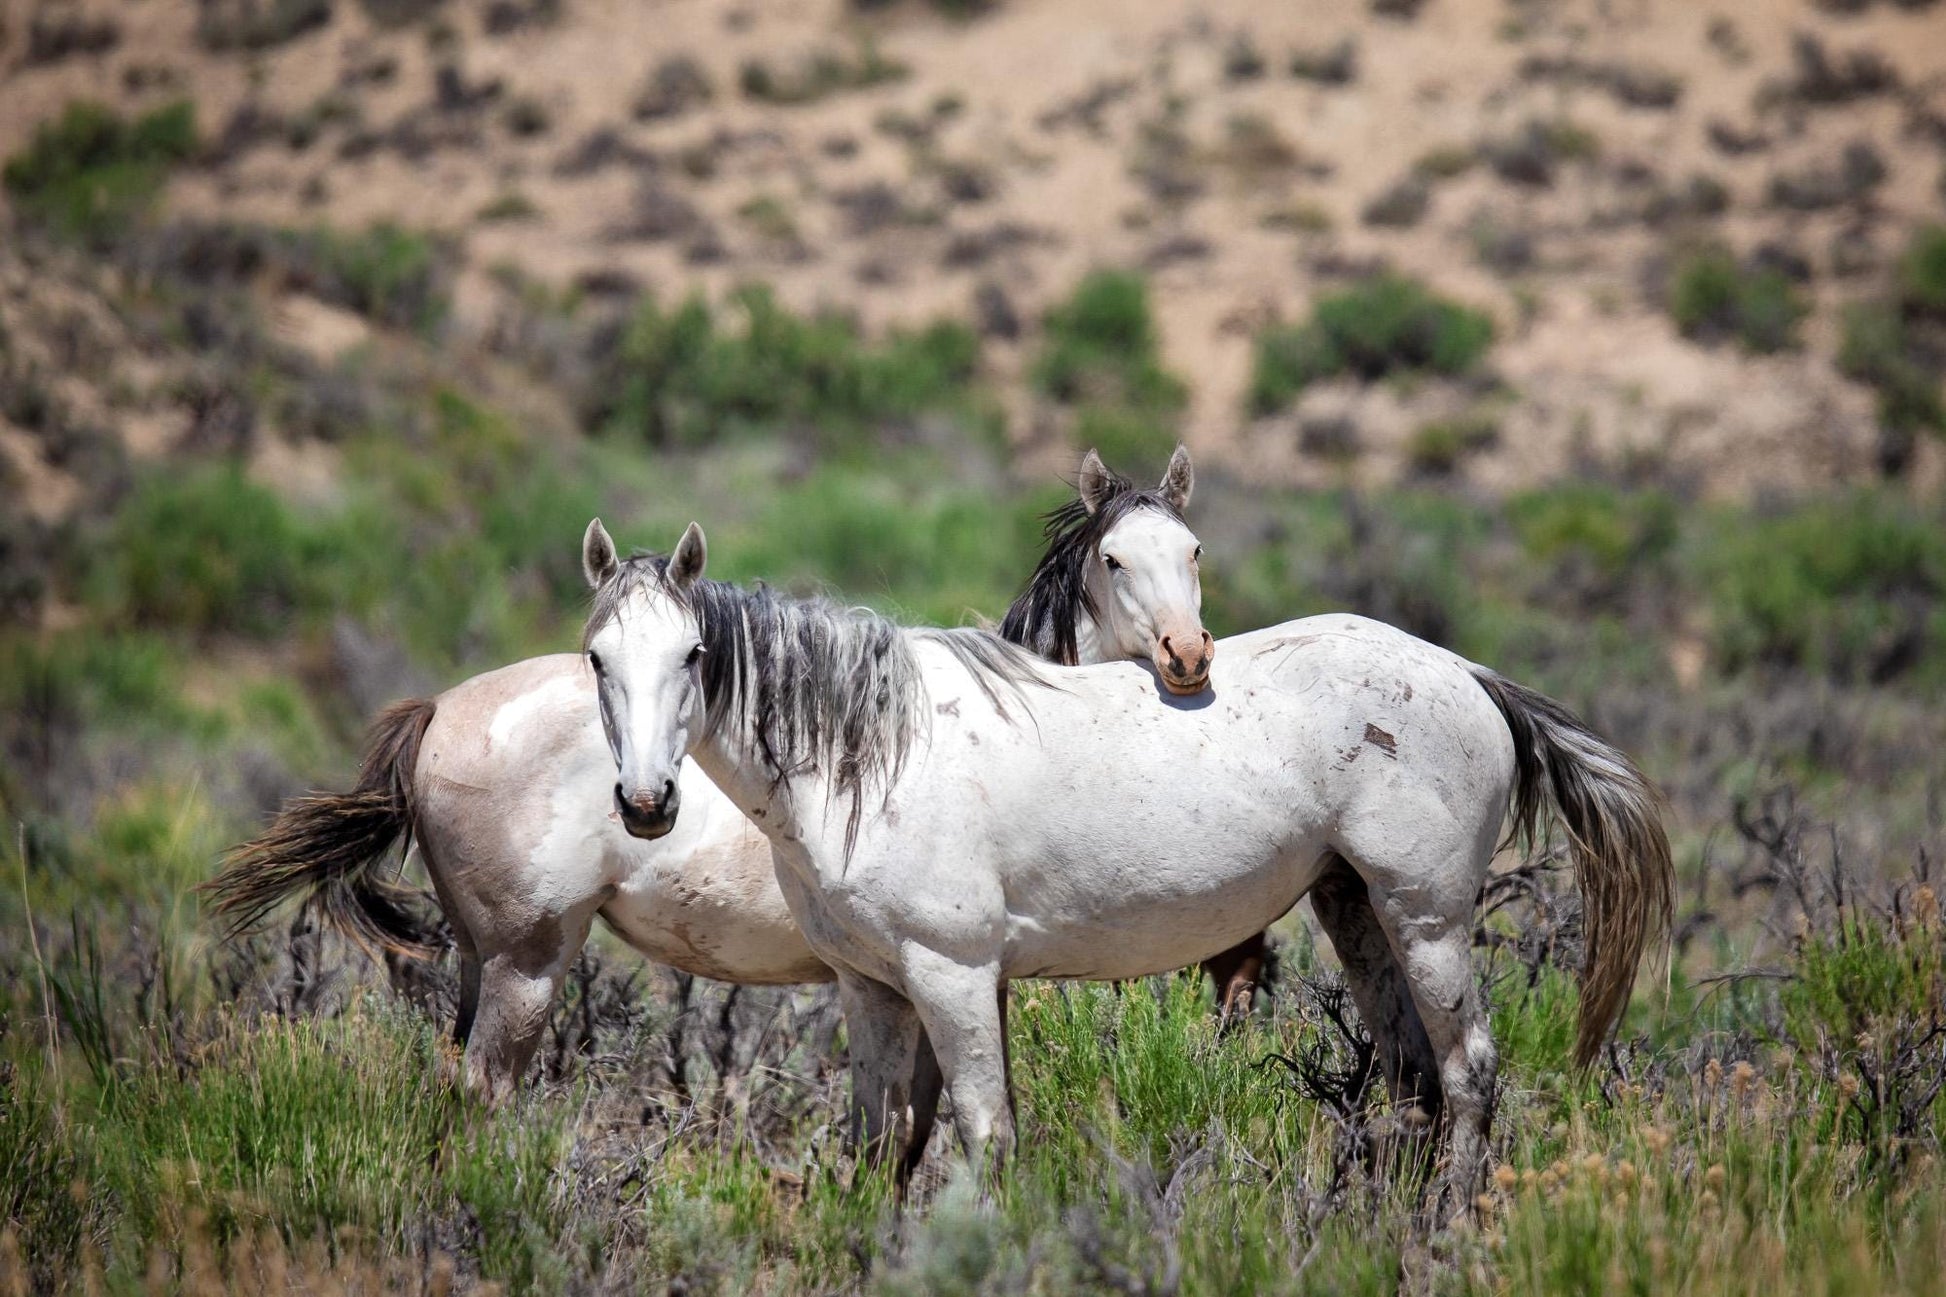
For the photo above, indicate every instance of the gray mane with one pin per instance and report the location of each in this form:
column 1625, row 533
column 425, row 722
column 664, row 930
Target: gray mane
column 813, row 685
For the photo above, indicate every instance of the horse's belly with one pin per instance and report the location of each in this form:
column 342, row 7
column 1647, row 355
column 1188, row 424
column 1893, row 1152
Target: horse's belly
column 1136, row 932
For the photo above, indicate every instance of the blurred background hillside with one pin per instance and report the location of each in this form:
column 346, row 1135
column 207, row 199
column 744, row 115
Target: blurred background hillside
column 1601, row 341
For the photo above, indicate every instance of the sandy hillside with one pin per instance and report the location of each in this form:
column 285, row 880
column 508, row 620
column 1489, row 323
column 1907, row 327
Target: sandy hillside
column 978, row 167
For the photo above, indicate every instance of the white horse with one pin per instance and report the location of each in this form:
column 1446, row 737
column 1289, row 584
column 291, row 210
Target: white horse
column 948, row 814
column 505, row 785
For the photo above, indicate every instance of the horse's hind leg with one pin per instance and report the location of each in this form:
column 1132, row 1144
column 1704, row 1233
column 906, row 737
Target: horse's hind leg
column 1430, row 923
column 1378, row 987
column 518, row 984
column 927, row 1082
column 890, row 1060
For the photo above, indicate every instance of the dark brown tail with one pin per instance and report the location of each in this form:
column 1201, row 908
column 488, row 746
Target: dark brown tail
column 1622, row 865
column 331, row 848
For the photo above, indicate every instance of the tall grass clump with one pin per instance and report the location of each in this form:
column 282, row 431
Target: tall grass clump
column 1100, row 356
column 1387, row 325
column 89, row 173
column 698, row 374
column 338, row 1129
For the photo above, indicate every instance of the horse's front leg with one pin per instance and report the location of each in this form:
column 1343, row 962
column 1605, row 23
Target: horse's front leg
column 961, row 1006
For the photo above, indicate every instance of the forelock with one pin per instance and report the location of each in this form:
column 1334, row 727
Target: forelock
column 639, row 572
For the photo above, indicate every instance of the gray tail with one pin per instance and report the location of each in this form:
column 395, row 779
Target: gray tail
column 332, row 849
column 1613, row 819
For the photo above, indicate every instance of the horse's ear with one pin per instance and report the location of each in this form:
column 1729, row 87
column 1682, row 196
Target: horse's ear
column 686, row 564
column 598, row 560
column 1096, row 483
column 1178, row 480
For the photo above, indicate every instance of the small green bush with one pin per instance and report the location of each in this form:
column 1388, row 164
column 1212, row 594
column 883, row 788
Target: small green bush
column 224, row 25
column 818, row 75
column 88, row 174
column 1100, row 354
column 1132, row 439
column 1878, row 350
column 393, row 275
column 1853, row 588
column 1387, row 325
column 211, row 552
column 1438, row 448
column 689, row 377
column 1100, row 346
column 1715, row 297
column 1922, row 273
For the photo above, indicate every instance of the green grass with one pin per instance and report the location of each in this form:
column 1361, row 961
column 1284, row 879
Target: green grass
column 1386, row 326
column 210, row 551
column 1151, row 1145
column 89, row 174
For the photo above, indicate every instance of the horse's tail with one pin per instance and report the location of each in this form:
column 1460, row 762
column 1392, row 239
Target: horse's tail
column 1621, row 853
column 331, row 848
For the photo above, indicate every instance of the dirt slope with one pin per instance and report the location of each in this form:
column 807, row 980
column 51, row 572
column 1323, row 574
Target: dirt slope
column 996, row 159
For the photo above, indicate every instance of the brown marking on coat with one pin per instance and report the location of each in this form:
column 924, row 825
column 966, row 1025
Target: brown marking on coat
column 1379, row 739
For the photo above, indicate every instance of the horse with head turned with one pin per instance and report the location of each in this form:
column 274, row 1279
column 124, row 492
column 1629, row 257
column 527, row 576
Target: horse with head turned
column 507, row 788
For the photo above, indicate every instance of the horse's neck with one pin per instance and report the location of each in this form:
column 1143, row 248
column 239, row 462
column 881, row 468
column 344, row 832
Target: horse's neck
column 1087, row 640
column 740, row 774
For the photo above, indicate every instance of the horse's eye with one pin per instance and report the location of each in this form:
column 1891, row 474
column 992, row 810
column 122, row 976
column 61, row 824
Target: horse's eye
column 594, row 660
column 1197, row 557
column 695, row 656
column 1114, row 564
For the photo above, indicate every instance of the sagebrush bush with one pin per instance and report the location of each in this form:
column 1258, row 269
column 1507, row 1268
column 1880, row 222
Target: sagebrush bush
column 1387, row 325
column 1714, row 296
column 1922, row 273
column 89, row 173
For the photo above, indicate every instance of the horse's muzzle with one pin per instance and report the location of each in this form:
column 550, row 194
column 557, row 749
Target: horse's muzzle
column 1184, row 668
column 649, row 817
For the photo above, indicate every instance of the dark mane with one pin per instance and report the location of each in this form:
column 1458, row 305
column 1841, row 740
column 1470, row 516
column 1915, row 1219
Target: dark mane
column 1042, row 620
column 810, row 684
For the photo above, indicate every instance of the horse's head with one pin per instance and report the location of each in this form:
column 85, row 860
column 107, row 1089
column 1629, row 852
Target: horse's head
column 645, row 645
column 1143, row 584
